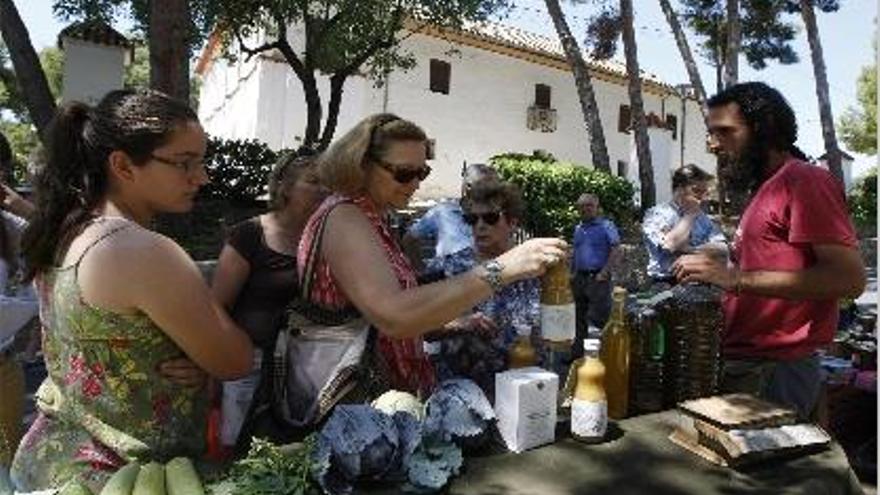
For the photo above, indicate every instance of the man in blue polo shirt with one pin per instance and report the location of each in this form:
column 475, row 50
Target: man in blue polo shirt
column 595, row 254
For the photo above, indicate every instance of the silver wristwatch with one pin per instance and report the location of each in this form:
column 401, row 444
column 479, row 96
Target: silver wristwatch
column 491, row 274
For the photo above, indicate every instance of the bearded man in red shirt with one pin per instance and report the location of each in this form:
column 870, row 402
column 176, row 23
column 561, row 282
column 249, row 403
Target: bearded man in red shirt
column 794, row 254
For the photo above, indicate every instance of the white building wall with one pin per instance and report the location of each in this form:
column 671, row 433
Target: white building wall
column 91, row 70
column 484, row 114
column 229, row 99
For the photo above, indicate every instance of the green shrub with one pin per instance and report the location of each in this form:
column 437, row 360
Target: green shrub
column 551, row 188
column 239, row 169
column 863, row 201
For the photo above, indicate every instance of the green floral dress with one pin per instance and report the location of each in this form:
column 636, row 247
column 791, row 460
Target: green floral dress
column 104, row 403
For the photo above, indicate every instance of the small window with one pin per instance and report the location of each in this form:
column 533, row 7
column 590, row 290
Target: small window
column 440, row 72
column 672, row 125
column 542, row 96
column 622, row 168
column 624, row 121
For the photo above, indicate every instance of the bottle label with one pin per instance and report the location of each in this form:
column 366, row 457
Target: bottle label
column 558, row 322
column 589, row 419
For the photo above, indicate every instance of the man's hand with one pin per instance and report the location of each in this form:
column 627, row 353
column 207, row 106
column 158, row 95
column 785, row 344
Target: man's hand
column 13, row 202
column 702, row 267
column 717, row 250
column 183, row 372
column 690, row 204
column 6, row 193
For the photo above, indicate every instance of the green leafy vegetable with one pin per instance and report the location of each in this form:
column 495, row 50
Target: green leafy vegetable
column 270, row 469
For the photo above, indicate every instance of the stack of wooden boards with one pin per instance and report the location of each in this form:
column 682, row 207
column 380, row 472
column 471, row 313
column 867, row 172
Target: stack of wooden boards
column 738, row 429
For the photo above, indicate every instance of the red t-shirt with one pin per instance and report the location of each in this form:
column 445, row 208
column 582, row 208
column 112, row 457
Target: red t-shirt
column 798, row 206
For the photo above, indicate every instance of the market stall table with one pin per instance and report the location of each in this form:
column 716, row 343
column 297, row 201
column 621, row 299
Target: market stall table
column 642, row 460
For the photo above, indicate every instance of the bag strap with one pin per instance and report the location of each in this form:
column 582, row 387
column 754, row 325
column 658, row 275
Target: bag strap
column 308, row 276
column 303, row 304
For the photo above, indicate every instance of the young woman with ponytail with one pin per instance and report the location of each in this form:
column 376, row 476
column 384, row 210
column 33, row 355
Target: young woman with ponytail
column 125, row 311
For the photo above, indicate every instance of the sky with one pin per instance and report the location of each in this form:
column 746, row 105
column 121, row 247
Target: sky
column 846, row 41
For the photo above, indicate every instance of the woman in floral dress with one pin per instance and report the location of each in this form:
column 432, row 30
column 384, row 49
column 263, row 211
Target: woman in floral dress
column 128, row 321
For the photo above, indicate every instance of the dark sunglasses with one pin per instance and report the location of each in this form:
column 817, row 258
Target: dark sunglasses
column 405, row 175
column 490, row 218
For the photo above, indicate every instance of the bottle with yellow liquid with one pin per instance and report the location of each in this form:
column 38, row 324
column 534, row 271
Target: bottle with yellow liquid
column 557, row 317
column 615, row 356
column 522, row 354
column 589, row 406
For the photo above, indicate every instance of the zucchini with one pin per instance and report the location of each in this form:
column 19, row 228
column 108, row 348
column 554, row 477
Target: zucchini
column 122, row 481
column 150, row 480
column 181, row 478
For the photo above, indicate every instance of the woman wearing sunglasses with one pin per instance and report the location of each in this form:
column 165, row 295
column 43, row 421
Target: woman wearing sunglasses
column 493, row 210
column 359, row 266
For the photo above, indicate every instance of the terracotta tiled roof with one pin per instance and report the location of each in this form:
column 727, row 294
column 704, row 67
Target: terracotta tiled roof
column 95, row 32
column 519, row 38
column 505, row 35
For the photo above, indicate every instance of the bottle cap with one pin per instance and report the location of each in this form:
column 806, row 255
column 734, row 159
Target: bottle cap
column 592, row 345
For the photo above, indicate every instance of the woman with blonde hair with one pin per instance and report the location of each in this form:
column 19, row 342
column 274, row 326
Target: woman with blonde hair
column 350, row 262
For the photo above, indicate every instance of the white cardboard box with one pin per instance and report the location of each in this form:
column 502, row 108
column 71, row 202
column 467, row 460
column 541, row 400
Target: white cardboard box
column 525, row 403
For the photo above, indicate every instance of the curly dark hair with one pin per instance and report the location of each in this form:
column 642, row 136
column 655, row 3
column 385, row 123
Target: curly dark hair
column 767, row 113
column 74, row 180
column 503, row 195
column 772, row 125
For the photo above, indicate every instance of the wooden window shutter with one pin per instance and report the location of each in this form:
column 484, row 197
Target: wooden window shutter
column 542, row 96
column 624, row 121
column 440, row 74
column 672, row 125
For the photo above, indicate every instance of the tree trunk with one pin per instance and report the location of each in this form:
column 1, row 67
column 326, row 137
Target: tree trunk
column 313, row 109
column 28, row 71
column 637, row 107
column 832, row 151
column 169, row 36
column 584, row 84
column 337, row 83
column 306, row 75
column 686, row 55
column 734, row 38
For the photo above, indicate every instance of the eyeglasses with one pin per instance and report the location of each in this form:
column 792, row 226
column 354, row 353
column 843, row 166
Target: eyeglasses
column 405, row 175
column 490, row 218
column 187, row 167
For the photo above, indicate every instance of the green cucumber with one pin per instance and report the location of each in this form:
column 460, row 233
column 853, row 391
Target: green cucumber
column 181, row 478
column 150, row 480
column 122, row 481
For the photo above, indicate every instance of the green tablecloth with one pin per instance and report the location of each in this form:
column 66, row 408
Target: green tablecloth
column 642, row 460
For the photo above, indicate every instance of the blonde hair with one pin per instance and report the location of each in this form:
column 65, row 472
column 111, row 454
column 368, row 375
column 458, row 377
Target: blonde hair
column 343, row 166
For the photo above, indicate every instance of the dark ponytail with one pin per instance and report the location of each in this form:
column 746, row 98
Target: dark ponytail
column 74, row 180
